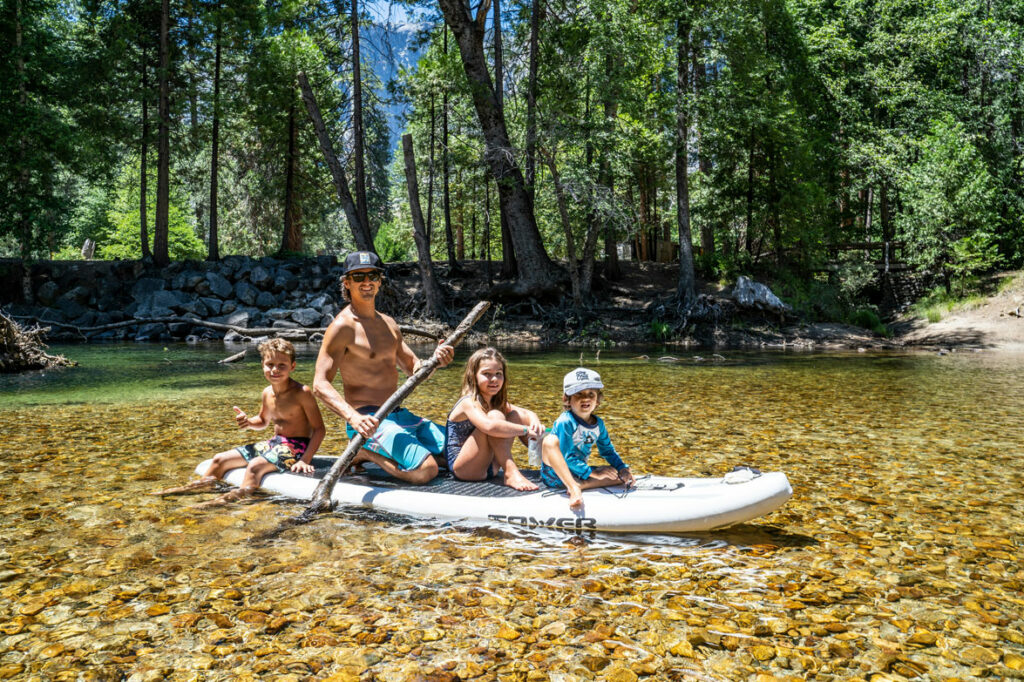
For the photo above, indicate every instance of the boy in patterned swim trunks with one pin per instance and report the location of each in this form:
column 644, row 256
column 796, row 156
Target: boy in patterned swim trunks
column 298, row 430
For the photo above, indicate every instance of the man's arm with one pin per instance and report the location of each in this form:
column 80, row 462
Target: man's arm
column 410, row 364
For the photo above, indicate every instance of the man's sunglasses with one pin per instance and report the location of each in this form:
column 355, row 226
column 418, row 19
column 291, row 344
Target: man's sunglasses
column 363, row 276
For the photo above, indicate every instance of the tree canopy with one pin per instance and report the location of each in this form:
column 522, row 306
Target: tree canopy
column 799, row 127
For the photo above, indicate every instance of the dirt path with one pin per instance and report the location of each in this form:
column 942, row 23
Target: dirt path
column 995, row 321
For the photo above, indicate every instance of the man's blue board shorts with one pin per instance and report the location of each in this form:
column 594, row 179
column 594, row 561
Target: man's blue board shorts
column 403, row 437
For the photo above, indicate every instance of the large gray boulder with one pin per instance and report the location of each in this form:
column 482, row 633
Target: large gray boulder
column 261, row 277
column 246, row 293
column 285, row 281
column 239, row 318
column 47, row 293
column 69, row 308
column 147, row 285
column 757, row 296
column 192, row 279
column 174, row 300
column 80, row 294
column 196, row 307
column 307, row 317
column 219, row 285
column 266, row 300
column 213, row 305
column 318, row 301
column 242, row 270
column 152, row 332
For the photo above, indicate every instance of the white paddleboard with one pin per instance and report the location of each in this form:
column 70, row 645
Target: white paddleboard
column 657, row 504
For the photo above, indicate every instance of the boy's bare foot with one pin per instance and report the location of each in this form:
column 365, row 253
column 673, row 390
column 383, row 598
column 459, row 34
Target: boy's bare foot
column 516, row 480
column 226, row 498
column 576, row 499
column 196, row 486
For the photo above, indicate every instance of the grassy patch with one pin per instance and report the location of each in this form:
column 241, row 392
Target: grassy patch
column 1010, row 282
column 868, row 319
column 937, row 303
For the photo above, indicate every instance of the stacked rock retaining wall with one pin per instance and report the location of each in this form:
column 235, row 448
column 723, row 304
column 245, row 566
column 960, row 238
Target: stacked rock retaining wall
column 297, row 295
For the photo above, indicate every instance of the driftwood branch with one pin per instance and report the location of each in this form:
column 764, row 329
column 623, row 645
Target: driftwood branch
column 23, row 349
column 322, row 494
column 253, row 331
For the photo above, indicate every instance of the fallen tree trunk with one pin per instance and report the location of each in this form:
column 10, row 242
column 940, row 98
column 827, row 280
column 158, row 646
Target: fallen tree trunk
column 322, row 495
column 23, row 349
column 254, row 331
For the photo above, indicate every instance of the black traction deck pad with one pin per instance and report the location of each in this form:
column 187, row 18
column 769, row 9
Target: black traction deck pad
column 444, row 484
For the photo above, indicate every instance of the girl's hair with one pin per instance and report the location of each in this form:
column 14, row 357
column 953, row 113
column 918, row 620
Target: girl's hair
column 469, row 386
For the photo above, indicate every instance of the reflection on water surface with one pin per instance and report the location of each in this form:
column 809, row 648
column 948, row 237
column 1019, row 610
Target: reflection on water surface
column 899, row 556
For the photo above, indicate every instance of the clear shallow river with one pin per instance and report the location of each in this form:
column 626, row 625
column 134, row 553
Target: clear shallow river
column 899, row 557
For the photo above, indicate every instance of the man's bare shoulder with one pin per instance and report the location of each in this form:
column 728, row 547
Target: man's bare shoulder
column 389, row 321
column 341, row 329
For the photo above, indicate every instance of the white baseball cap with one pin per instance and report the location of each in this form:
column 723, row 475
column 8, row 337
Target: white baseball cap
column 580, row 379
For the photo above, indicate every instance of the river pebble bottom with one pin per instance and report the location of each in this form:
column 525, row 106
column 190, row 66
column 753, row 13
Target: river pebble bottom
column 899, row 556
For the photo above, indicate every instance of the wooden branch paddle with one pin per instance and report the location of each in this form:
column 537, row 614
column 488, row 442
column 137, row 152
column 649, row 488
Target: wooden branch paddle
column 321, row 500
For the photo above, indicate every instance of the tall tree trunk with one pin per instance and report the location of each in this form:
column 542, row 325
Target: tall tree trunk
column 291, row 240
column 460, row 232
column 453, row 263
column 430, row 169
column 869, row 200
column 163, row 162
column 213, row 250
column 707, row 230
column 749, row 237
column 570, row 241
column 535, row 270
column 611, row 255
column 773, row 206
column 357, row 122
column 487, row 231
column 508, row 250
column 24, row 176
column 431, row 290
column 531, row 101
column 686, row 289
column 360, row 230
column 193, row 90
column 884, row 213
column 143, row 166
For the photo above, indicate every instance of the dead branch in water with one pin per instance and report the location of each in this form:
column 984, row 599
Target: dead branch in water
column 23, row 349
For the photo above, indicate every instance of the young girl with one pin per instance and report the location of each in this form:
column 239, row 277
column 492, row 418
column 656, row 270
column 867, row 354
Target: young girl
column 567, row 448
column 483, row 424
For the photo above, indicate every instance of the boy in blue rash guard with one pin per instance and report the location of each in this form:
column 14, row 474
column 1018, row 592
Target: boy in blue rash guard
column 574, row 434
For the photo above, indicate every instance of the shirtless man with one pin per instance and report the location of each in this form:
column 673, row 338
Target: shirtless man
column 367, row 348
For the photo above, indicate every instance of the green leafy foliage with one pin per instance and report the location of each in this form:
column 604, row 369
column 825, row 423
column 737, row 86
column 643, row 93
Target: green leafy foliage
column 951, row 203
column 810, row 125
column 118, row 237
column 394, row 243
